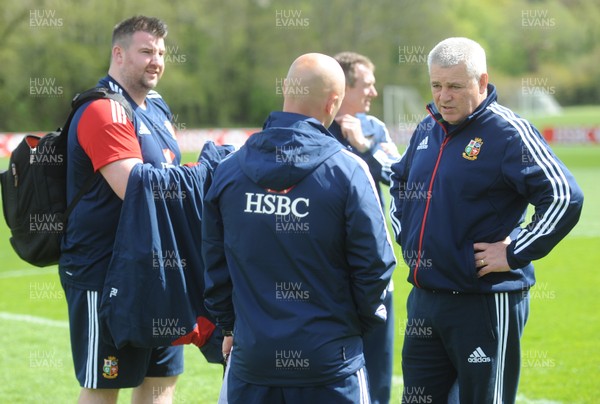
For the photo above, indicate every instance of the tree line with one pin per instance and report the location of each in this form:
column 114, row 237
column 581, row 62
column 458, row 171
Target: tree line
column 226, row 59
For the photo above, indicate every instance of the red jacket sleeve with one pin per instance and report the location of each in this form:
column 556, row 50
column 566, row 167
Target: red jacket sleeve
column 105, row 133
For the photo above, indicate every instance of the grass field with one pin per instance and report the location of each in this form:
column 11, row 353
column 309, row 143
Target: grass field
column 561, row 359
column 587, row 115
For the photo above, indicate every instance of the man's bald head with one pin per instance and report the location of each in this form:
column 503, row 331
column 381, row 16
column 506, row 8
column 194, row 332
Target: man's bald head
column 314, row 87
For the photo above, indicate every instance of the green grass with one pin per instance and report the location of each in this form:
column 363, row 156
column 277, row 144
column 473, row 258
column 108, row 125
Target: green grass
column 588, row 115
column 561, row 359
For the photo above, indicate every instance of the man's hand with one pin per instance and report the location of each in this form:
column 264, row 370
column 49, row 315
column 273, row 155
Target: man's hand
column 226, row 348
column 491, row 257
column 352, row 131
column 390, row 149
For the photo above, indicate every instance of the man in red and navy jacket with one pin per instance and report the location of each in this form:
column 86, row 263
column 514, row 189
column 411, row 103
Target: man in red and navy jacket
column 128, row 159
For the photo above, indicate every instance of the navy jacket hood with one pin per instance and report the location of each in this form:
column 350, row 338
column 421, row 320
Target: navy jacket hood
column 286, row 151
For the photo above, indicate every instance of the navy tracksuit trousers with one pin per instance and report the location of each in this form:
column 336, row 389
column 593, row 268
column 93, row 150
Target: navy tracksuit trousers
column 472, row 338
column 378, row 348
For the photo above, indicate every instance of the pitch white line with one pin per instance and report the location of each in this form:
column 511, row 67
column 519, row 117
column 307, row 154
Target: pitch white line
column 25, row 318
column 19, row 273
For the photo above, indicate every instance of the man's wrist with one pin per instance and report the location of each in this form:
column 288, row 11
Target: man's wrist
column 227, row 333
column 365, row 146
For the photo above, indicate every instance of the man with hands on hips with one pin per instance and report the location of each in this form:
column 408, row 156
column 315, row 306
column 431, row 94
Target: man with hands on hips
column 460, row 193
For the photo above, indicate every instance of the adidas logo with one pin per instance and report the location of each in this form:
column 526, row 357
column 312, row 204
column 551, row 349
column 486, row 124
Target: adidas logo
column 424, row 144
column 478, row 356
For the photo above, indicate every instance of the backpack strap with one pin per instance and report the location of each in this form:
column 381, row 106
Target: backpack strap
column 95, row 93
column 98, row 93
column 82, row 191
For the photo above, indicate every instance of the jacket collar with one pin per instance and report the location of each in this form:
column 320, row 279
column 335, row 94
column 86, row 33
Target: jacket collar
column 290, row 119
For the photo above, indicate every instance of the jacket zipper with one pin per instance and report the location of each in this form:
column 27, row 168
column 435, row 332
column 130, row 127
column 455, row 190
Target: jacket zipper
column 433, row 174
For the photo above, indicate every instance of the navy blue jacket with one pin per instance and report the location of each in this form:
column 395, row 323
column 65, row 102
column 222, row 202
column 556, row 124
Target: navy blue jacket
column 152, row 295
column 458, row 185
column 297, row 254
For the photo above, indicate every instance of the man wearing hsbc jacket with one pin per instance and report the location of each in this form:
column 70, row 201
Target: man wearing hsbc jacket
column 296, row 251
column 460, row 193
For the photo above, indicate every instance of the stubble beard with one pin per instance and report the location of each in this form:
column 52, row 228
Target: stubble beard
column 141, row 85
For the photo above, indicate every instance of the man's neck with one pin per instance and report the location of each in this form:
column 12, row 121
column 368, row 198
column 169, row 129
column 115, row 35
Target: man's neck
column 138, row 97
column 347, row 111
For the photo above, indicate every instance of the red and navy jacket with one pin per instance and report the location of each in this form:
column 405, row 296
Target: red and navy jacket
column 456, row 185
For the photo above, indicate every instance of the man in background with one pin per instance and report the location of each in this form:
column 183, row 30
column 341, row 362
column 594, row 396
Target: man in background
column 367, row 137
column 359, row 132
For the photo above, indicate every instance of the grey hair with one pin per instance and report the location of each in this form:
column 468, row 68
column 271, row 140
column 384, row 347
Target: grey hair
column 453, row 51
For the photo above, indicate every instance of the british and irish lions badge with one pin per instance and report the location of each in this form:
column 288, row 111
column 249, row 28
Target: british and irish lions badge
column 473, row 148
column 110, row 370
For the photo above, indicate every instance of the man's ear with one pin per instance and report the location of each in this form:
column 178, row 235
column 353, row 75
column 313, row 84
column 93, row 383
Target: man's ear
column 483, row 82
column 117, row 54
column 333, row 105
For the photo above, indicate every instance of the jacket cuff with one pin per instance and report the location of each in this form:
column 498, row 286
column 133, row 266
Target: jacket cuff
column 513, row 261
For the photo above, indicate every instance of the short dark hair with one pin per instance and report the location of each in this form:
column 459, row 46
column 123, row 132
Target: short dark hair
column 125, row 29
column 348, row 61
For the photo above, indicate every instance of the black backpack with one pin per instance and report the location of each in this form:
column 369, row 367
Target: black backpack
column 34, row 197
